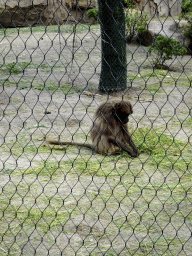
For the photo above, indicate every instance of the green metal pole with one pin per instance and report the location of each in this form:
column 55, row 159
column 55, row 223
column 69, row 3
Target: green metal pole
column 113, row 45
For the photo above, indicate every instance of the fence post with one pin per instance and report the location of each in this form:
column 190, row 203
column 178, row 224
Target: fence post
column 113, row 45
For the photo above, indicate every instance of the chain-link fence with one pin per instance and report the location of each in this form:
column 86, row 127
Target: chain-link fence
column 71, row 200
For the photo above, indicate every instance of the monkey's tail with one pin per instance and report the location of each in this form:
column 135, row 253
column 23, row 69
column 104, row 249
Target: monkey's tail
column 62, row 143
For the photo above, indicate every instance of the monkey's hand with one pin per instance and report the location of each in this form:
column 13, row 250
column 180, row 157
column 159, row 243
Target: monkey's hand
column 137, row 152
column 124, row 147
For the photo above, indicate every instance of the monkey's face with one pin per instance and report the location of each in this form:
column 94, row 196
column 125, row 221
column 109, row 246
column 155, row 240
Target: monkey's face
column 121, row 112
column 121, row 117
column 125, row 118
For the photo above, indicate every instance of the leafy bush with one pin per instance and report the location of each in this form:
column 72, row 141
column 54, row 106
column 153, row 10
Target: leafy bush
column 130, row 4
column 93, row 13
column 186, row 6
column 136, row 22
column 188, row 30
column 165, row 48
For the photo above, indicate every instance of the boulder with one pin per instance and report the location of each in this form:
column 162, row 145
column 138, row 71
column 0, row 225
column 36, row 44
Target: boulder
column 22, row 13
column 160, row 8
column 145, row 38
column 82, row 4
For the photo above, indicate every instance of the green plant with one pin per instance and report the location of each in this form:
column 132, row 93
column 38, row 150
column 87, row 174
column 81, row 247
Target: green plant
column 186, row 5
column 129, row 4
column 136, row 22
column 165, row 48
column 188, row 30
column 93, row 13
column 13, row 68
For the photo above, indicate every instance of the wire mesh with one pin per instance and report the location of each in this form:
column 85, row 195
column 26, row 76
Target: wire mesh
column 68, row 200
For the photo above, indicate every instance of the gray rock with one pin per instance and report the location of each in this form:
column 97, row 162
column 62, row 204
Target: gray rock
column 160, row 8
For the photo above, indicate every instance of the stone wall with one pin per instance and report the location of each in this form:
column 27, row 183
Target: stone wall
column 22, row 13
column 160, row 8
column 42, row 12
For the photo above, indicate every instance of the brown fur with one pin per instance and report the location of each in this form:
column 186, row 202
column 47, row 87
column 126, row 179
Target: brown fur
column 108, row 133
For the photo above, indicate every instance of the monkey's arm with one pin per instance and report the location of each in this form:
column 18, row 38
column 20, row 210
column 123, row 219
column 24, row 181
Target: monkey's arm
column 124, row 147
column 129, row 140
column 62, row 143
column 132, row 144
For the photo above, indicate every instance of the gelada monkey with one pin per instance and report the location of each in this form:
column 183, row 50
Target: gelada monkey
column 109, row 131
